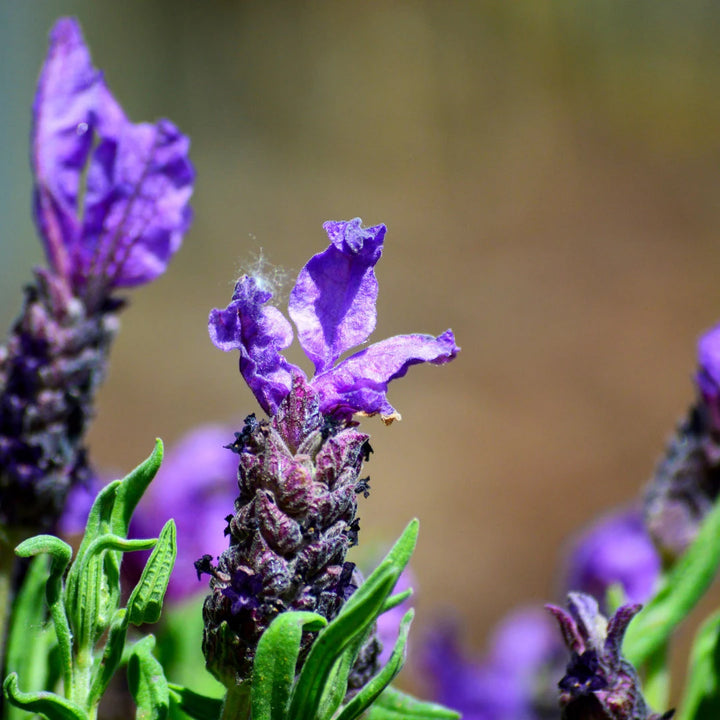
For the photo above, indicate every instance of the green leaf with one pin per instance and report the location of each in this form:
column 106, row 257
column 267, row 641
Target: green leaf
column 97, row 583
column 394, row 600
column 146, row 600
column 132, row 488
column 147, row 682
column 60, row 553
column 679, row 592
column 48, row 704
column 275, row 661
column 352, row 622
column 198, row 707
column 93, row 585
column 27, row 652
column 396, row 705
column 101, row 577
column 111, row 658
column 371, row 691
column 701, row 700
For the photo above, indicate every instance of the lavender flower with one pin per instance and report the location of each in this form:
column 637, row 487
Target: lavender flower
column 686, row 482
column 333, row 307
column 111, row 205
column 599, row 682
column 299, row 473
column 514, row 681
column 617, row 549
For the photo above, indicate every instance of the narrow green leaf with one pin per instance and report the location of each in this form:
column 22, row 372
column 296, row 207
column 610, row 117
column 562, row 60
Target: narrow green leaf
column 198, row 707
column 371, row 691
column 398, row 599
column 336, row 686
column 332, row 642
column 131, row 489
column 146, row 600
column 30, row 639
column 98, row 582
column 275, row 661
column 701, row 700
column 48, row 704
column 100, row 578
column 111, row 658
column 147, row 682
column 394, row 704
column 353, row 621
column 337, row 682
column 679, row 592
column 60, row 553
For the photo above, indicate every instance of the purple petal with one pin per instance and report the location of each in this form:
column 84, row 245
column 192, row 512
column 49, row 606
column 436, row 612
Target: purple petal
column 359, row 384
column 617, row 549
column 708, row 375
column 138, row 180
column 136, row 207
column 333, row 301
column 63, row 119
column 259, row 333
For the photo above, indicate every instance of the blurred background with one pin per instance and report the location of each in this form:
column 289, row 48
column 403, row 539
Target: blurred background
column 549, row 175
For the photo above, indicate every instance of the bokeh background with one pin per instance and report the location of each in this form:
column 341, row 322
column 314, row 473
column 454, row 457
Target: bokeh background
column 549, row 175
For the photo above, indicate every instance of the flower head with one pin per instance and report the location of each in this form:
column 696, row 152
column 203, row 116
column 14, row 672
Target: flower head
column 617, row 549
column 598, row 681
column 333, row 308
column 111, row 197
column 514, row 678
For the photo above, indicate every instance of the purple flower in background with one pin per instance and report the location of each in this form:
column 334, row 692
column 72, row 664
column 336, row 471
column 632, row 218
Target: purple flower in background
column 598, row 681
column 686, row 482
column 111, row 197
column 515, row 680
column 708, row 375
column 111, row 205
column 617, row 549
column 333, row 308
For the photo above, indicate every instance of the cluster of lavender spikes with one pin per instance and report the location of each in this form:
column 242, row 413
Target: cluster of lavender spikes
column 111, row 205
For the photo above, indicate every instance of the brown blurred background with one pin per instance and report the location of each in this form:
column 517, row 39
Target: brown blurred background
column 548, row 172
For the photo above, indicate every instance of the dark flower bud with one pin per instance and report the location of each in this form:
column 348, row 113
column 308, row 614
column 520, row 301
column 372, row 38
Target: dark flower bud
column 599, row 684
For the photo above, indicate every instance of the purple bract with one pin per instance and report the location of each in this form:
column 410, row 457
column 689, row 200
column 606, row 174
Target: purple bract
column 333, row 308
column 111, row 197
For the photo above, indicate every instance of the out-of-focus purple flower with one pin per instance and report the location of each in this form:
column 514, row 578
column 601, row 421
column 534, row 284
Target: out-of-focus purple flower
column 111, row 197
column 708, row 374
column 196, row 485
column 333, row 308
column 686, row 482
column 598, row 681
column 617, row 549
column 515, row 680
column 111, row 204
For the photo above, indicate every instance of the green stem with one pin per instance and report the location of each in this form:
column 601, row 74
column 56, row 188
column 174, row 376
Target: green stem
column 237, row 703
